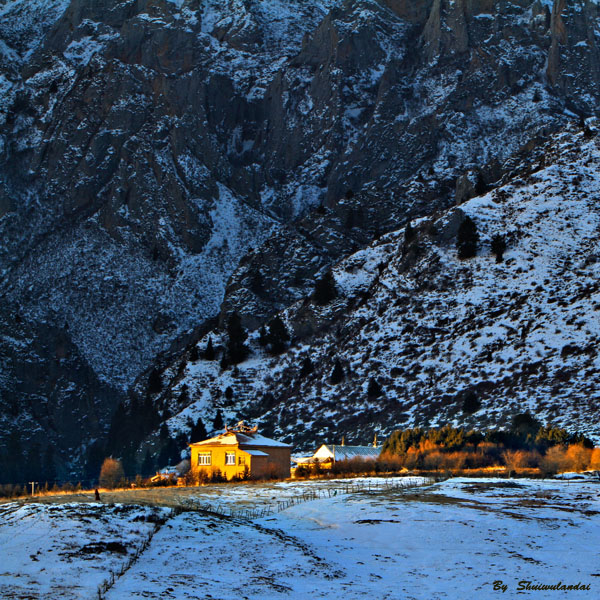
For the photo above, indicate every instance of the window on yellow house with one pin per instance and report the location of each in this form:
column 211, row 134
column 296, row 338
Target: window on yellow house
column 204, row 458
column 230, row 458
column 241, row 460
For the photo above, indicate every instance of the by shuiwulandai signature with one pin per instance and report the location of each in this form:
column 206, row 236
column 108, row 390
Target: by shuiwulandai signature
column 534, row 586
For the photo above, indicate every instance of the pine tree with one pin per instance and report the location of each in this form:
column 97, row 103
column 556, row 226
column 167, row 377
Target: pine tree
column 409, row 233
column 306, row 368
column 135, row 426
column 524, row 428
column 33, row 464
column 164, row 432
column 49, row 468
column 350, row 220
column 155, row 384
column 151, row 415
column 148, row 465
column 337, row 374
column 182, row 440
column 166, row 453
column 95, row 456
column 481, row 186
column 373, row 389
column 237, row 335
column 184, row 396
column 128, row 460
column 119, row 427
column 218, row 422
column 209, row 352
column 471, row 403
column 277, row 336
column 325, row 290
column 16, row 459
column 263, row 338
column 498, row 246
column 198, row 432
column 467, row 238
column 194, row 354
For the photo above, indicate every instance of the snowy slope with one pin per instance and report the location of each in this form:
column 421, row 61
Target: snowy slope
column 430, row 328
column 69, row 551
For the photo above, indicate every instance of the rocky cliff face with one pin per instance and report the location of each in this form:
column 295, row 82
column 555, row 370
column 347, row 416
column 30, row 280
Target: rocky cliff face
column 164, row 162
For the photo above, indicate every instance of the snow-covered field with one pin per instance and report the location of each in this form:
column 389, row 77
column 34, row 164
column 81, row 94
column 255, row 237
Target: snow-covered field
column 454, row 539
column 68, row 551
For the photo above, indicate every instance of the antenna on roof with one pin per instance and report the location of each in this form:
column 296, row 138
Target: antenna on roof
column 241, row 427
column 375, row 441
column 343, row 440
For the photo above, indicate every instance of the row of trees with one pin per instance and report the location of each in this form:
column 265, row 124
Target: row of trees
column 274, row 336
column 527, row 444
column 432, row 457
column 18, row 464
column 525, row 433
column 130, row 426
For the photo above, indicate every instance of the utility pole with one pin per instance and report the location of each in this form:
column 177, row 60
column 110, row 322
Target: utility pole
column 32, row 484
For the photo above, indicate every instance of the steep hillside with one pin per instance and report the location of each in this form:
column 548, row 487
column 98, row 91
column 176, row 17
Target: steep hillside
column 433, row 329
column 164, row 163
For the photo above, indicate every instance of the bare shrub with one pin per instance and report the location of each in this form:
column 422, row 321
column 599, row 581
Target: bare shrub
column 578, row 457
column 434, row 460
column 191, row 478
column 111, row 473
column 554, row 460
column 595, row 460
column 217, row 477
column 203, row 476
column 302, row 471
column 514, row 459
column 454, row 460
column 388, row 462
column 414, row 459
column 353, row 466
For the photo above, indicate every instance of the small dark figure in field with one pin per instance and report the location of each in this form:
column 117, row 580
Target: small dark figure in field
column 97, row 495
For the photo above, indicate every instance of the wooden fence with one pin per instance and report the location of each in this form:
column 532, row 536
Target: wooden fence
column 248, row 514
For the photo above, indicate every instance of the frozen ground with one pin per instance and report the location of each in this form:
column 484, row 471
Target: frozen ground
column 67, row 551
column 449, row 540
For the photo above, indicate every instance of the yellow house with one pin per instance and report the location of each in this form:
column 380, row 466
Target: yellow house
column 240, row 452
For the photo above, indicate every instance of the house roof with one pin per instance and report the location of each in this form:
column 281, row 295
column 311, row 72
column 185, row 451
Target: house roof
column 323, row 452
column 243, row 440
column 326, row 453
column 349, row 452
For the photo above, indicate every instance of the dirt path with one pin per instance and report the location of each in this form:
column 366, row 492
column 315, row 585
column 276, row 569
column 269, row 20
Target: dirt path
column 169, row 497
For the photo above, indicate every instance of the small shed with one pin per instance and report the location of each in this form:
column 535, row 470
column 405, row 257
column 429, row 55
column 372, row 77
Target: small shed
column 327, row 455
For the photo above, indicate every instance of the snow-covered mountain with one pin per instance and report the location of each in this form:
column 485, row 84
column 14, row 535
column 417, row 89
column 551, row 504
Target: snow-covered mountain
column 164, row 163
